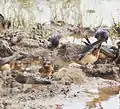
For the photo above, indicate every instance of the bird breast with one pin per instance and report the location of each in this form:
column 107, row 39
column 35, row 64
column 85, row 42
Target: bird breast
column 88, row 59
column 5, row 67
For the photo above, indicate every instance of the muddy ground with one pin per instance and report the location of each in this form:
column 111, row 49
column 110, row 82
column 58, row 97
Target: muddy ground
column 74, row 83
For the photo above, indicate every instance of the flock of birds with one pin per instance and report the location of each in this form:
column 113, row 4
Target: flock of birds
column 87, row 56
column 91, row 51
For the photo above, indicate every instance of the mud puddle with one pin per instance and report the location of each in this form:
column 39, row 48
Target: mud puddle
column 112, row 102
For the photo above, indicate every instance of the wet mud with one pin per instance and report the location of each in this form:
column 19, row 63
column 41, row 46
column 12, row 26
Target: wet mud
column 72, row 85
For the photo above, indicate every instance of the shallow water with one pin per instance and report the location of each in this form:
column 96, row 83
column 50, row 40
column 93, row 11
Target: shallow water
column 104, row 10
column 111, row 103
column 110, row 42
column 44, row 10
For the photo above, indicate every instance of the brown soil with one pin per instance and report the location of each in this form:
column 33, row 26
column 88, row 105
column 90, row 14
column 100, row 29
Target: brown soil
column 72, row 81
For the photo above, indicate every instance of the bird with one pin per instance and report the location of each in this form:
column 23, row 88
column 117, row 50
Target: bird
column 91, row 52
column 47, row 69
column 106, row 54
column 90, row 47
column 91, row 57
column 55, row 40
column 4, row 24
column 11, row 62
column 5, row 62
column 102, row 34
column 5, row 67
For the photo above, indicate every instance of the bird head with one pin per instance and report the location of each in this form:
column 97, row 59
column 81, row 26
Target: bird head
column 6, row 24
column 102, row 35
column 55, row 36
column 47, row 64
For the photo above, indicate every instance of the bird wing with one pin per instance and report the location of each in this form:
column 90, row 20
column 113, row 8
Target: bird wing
column 88, row 59
column 89, row 49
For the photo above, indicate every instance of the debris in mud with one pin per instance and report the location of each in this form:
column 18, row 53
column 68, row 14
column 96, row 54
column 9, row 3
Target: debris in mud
column 71, row 74
column 5, row 49
column 107, row 71
column 69, row 51
column 30, row 78
column 108, row 88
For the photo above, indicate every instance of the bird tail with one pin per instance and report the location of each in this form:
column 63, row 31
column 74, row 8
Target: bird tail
column 87, row 39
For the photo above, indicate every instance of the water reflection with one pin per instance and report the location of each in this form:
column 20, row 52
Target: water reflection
column 109, row 98
column 103, row 10
column 112, row 103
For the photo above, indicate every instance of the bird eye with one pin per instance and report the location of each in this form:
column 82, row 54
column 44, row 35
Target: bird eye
column 48, row 63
